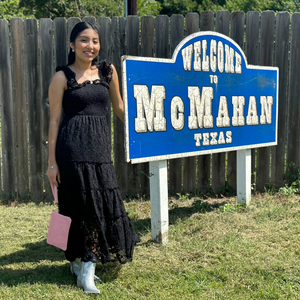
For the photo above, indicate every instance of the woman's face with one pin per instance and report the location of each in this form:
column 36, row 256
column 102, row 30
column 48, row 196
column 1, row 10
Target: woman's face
column 86, row 45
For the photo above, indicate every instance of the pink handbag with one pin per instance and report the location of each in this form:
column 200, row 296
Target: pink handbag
column 58, row 231
column 59, row 227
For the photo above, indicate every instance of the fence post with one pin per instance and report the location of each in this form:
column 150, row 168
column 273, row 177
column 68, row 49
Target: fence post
column 176, row 35
column 19, row 106
column 132, row 48
column 266, row 59
column 189, row 163
column 219, row 159
column 7, row 126
column 293, row 144
column 204, row 161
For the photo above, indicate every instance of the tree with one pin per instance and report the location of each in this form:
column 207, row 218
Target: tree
column 73, row 8
column 170, row 7
column 104, row 8
column 10, row 8
column 48, row 9
column 232, row 5
column 148, row 8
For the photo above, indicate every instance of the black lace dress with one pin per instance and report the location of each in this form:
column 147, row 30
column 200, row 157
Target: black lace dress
column 88, row 192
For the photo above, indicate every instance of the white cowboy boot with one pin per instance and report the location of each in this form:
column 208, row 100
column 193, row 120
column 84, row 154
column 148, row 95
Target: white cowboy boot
column 86, row 277
column 75, row 267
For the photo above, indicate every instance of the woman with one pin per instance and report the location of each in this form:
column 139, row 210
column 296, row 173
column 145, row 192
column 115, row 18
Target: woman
column 80, row 158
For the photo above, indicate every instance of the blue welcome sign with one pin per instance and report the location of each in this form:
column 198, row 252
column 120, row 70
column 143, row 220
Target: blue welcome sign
column 206, row 99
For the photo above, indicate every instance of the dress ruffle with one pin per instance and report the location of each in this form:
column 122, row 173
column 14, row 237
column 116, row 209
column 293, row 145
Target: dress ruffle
column 105, row 73
column 101, row 224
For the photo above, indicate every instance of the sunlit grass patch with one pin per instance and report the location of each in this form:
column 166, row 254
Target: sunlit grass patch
column 217, row 250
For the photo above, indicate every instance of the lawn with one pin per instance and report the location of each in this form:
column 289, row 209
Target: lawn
column 216, row 250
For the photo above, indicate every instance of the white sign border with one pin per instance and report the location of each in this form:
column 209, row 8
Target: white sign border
column 173, row 60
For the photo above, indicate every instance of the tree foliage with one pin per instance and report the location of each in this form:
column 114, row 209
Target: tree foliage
column 11, row 8
column 148, row 8
column 73, row 8
column 251, row 5
column 104, row 8
column 170, row 7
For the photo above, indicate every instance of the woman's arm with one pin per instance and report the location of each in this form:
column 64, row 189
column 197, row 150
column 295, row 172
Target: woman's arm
column 114, row 94
column 56, row 92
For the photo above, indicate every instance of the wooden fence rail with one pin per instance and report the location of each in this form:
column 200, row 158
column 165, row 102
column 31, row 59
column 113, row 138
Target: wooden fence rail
column 31, row 49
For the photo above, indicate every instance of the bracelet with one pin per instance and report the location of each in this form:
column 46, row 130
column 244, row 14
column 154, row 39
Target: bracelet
column 52, row 167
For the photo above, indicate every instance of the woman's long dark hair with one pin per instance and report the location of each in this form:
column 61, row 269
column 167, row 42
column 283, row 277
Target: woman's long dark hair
column 79, row 27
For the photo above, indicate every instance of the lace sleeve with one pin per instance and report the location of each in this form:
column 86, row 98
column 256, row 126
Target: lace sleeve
column 59, row 68
column 70, row 75
column 106, row 70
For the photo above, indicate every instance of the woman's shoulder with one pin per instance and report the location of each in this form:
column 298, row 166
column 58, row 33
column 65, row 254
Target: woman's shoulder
column 64, row 70
column 59, row 78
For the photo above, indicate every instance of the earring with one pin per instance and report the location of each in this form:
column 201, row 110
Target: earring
column 73, row 50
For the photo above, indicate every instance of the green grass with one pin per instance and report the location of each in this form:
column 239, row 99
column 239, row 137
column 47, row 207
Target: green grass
column 216, row 250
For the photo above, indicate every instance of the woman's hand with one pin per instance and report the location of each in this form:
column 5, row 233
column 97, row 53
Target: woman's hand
column 53, row 175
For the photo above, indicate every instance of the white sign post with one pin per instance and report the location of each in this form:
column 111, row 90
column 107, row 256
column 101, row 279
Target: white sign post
column 159, row 200
column 243, row 176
